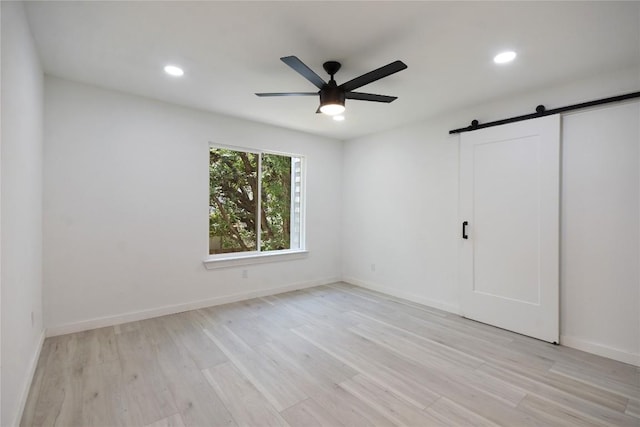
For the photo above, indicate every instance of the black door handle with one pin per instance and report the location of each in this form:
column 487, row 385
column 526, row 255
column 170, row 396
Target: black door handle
column 464, row 230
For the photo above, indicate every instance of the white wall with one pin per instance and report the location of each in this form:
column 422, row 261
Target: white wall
column 21, row 210
column 401, row 213
column 600, row 230
column 126, row 208
column 400, row 222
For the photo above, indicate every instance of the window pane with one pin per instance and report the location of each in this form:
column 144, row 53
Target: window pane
column 296, row 203
column 233, row 189
column 276, row 202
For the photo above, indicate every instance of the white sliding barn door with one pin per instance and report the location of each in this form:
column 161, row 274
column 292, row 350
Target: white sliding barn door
column 509, row 198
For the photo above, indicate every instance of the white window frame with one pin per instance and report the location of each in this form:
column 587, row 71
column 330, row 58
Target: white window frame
column 259, row 257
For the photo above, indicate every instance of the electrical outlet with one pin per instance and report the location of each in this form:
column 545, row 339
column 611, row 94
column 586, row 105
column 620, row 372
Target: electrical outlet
column 245, row 274
column 373, row 267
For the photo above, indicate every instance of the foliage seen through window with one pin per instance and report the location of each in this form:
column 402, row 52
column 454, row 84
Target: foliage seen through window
column 251, row 198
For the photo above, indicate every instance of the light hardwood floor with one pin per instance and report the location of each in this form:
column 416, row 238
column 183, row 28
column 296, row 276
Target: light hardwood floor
column 330, row 355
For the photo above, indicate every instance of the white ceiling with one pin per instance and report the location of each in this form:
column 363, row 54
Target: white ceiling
column 229, row 50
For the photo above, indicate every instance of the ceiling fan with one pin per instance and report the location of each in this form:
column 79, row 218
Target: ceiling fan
column 332, row 96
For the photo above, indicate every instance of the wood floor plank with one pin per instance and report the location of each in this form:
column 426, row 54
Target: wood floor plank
column 410, row 389
column 468, row 343
column 185, row 332
column 257, row 330
column 555, row 414
column 612, row 368
column 196, row 401
column 301, row 316
column 97, row 407
column 246, row 404
column 393, row 407
column 309, row 414
column 560, row 397
column 146, row 387
column 36, row 385
column 60, row 401
column 348, row 408
column 312, row 311
column 579, row 389
column 174, row 420
column 236, row 311
column 378, row 298
column 391, row 306
column 449, row 413
column 97, row 346
column 440, row 382
column 307, row 380
column 280, row 317
column 280, row 390
column 125, row 327
column 412, row 343
column 252, row 331
column 598, row 378
column 309, row 358
column 319, row 385
column 633, row 408
column 191, row 394
column 62, row 352
column 105, row 399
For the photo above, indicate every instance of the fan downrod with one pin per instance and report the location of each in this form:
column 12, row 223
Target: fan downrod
column 331, row 67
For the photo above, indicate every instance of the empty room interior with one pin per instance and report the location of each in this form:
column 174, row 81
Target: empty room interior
column 419, row 213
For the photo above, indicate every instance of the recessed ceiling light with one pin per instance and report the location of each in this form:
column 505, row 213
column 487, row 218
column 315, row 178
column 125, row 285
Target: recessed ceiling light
column 172, row 70
column 504, row 57
column 338, row 118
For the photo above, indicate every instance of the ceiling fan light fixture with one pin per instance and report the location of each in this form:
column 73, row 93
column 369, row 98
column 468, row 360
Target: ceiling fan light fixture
column 331, row 99
column 174, row 70
column 332, row 109
column 504, row 57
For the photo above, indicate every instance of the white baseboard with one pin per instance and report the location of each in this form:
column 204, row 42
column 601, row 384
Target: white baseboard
column 451, row 308
column 26, row 386
column 600, row 350
column 102, row 322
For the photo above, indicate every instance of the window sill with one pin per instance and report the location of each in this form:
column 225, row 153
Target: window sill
column 234, row 260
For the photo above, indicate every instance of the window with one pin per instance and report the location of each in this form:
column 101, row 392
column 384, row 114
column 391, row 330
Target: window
column 255, row 202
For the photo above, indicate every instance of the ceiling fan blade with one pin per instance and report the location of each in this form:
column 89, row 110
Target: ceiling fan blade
column 374, row 75
column 369, row 97
column 288, row 94
column 302, row 69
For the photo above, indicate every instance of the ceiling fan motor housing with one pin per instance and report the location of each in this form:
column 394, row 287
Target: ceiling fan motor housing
column 331, row 94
